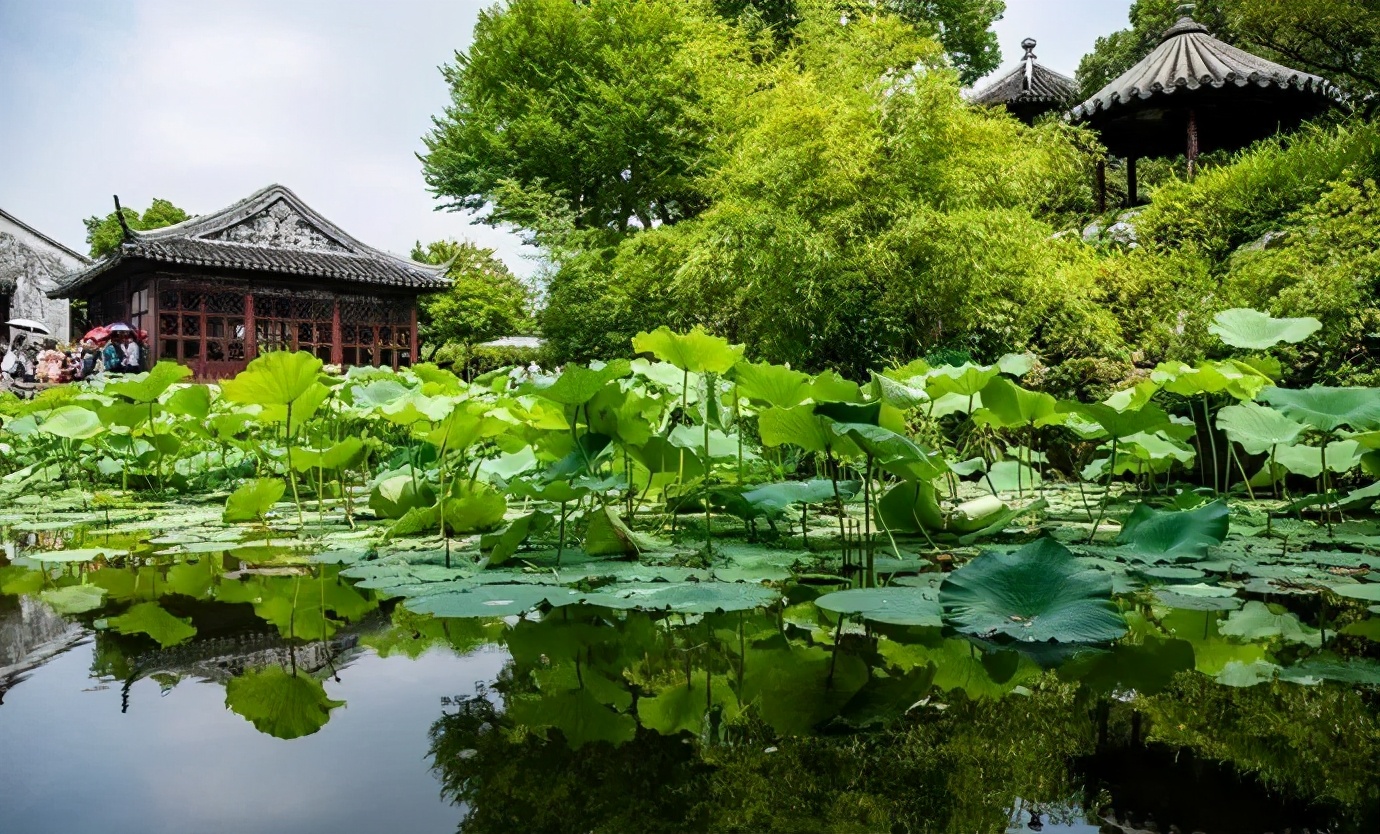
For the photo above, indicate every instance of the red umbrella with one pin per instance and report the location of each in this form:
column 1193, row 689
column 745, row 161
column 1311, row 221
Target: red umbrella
column 97, row 334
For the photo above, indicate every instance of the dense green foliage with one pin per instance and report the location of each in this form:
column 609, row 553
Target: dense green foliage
column 485, row 301
column 104, row 234
column 824, row 195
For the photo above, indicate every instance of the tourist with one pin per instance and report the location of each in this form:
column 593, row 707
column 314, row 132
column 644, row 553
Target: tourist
column 48, row 368
column 112, row 357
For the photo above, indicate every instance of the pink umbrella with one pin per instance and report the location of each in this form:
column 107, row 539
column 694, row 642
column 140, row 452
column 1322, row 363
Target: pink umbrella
column 97, row 334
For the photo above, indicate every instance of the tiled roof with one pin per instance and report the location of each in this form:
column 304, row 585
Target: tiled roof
column 1188, row 59
column 1029, row 82
column 271, row 231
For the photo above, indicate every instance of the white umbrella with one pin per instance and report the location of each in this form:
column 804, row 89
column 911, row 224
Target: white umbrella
column 29, row 325
column 120, row 326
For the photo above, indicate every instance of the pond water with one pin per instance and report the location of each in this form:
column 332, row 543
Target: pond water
column 171, row 674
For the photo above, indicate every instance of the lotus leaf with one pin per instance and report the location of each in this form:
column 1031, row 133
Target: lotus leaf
column 772, row 384
column 1254, row 330
column 697, row 351
column 280, row 704
column 1259, row 621
column 274, row 378
column 607, row 535
column 907, row 606
column 1036, row 594
column 251, row 501
column 1328, row 409
column 1258, row 429
column 1007, row 405
column 578, row 714
column 1174, row 535
column 83, row 554
column 150, row 618
column 396, row 495
column 74, row 599
column 72, row 422
column 150, row 385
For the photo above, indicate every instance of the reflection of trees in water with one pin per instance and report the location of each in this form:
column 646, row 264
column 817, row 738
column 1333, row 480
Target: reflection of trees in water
column 565, row 753
column 960, row 768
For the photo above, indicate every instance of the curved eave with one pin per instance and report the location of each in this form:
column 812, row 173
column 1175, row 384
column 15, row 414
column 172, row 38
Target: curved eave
column 1116, row 102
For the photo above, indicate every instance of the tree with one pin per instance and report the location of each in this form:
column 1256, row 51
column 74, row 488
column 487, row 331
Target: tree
column 104, row 234
column 1337, row 39
column 484, row 301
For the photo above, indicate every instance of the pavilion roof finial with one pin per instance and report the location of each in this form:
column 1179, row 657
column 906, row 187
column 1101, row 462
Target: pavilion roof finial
column 1029, row 46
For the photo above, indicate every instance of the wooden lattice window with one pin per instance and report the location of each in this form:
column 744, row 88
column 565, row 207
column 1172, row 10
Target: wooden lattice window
column 375, row 332
column 286, row 322
column 197, row 325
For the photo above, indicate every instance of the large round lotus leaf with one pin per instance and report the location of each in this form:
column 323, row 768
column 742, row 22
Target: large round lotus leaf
column 72, row 422
column 280, row 704
column 895, row 606
column 252, row 500
column 698, row 351
column 82, row 554
column 909, row 507
column 393, row 497
column 578, row 714
column 1173, row 535
column 1327, row 409
column 1007, row 405
column 797, row 426
column 484, row 601
column 1037, row 594
column 965, row 380
column 275, row 378
column 1368, row 591
column 74, row 599
column 681, row 708
column 150, row 385
column 472, row 508
column 684, row 597
column 1316, row 669
column 772, row 384
column 1199, row 597
column 1243, row 327
column 1258, row 429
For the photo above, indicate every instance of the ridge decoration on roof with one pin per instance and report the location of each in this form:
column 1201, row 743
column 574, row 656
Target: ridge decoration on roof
column 271, row 230
column 1028, row 82
column 1189, row 58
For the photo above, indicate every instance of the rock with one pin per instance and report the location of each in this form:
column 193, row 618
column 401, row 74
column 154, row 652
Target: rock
column 1092, row 233
column 1269, row 240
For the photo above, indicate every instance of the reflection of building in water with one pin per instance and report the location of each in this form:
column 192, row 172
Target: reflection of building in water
column 30, row 634
column 222, row 658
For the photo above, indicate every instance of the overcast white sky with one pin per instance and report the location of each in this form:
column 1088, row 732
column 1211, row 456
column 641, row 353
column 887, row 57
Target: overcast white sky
column 204, row 102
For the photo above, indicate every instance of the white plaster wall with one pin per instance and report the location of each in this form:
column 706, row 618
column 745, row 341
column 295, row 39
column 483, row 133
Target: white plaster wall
column 35, row 265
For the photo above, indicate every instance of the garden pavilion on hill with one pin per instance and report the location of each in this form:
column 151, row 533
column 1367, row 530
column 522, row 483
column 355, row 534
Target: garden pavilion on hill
column 1030, row 90
column 266, row 273
column 1195, row 94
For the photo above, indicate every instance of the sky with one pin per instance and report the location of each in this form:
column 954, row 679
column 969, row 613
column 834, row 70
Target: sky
column 203, row 103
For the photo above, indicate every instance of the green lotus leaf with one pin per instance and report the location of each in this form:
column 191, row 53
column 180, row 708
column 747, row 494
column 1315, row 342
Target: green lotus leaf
column 251, row 501
column 1016, row 364
column 683, row 597
column 698, row 351
column 1368, row 591
column 773, row 499
column 484, row 601
column 895, row 606
column 72, row 422
column 1258, row 621
column 798, row 426
column 681, row 708
column 150, row 618
column 964, row 380
column 74, row 599
column 1007, row 405
column 897, row 394
column 1199, row 597
column 774, row 385
column 378, row 393
column 1174, row 535
column 395, row 496
column 909, row 507
column 1328, row 409
column 278, row 703
column 1361, row 671
column 150, row 385
column 82, row 554
column 607, row 535
column 1243, row 327
column 190, row 400
column 1037, row 594
column 829, row 387
column 578, row 714
column 502, row 545
column 1258, row 429
column 1342, row 456
column 470, row 508
column 275, row 378
column 1119, row 424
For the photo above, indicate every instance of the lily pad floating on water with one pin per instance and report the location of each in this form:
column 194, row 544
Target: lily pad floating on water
column 80, row 554
column 684, row 597
column 484, row 601
column 1152, row 535
column 1199, row 597
column 1039, row 593
column 1258, row 621
column 906, row 606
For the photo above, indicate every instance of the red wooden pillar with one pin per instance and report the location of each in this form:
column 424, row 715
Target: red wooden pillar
column 155, row 350
column 337, row 347
column 414, row 350
column 251, row 338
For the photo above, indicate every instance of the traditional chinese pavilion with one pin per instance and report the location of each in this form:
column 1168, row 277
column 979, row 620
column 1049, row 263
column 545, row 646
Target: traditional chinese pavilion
column 1030, row 90
column 1195, row 94
column 267, row 273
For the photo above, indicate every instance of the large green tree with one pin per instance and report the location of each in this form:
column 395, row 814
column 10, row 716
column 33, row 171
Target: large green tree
column 103, row 234
column 485, row 301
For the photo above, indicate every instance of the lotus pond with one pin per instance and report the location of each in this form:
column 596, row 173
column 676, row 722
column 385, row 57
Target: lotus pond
column 692, row 593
